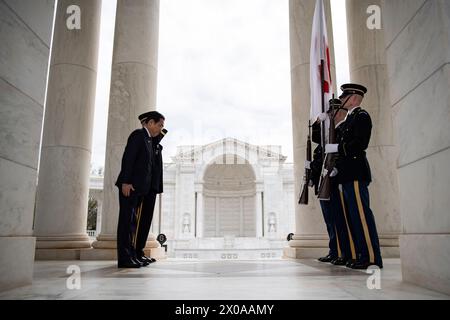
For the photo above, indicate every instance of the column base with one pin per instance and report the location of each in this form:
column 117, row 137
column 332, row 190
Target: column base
column 16, row 262
column 425, row 259
column 80, row 241
column 59, row 254
column 306, row 247
column 389, row 245
column 61, row 247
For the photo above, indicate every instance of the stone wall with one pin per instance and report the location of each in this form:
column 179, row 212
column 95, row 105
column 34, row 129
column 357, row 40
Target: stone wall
column 418, row 54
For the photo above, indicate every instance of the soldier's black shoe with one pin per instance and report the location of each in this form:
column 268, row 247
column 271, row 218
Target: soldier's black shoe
column 339, row 262
column 142, row 262
column 128, row 264
column 350, row 263
column 328, row 258
column 147, row 259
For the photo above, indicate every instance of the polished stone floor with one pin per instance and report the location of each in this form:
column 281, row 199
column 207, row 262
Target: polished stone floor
column 213, row 280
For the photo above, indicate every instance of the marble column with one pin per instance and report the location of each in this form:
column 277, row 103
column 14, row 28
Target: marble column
column 418, row 59
column 156, row 222
column 99, row 213
column 241, row 217
column 63, row 182
column 367, row 60
column 26, row 28
column 259, row 210
column 200, row 210
column 133, row 91
column 310, row 239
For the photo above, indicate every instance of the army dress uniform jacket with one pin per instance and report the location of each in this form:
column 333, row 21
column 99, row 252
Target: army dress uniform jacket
column 138, row 163
column 353, row 137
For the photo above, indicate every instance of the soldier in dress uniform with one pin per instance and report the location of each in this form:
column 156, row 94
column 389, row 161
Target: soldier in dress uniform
column 341, row 247
column 139, row 181
column 354, row 176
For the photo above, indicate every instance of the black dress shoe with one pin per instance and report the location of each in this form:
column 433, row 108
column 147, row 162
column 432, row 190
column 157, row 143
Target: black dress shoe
column 350, row 263
column 339, row 262
column 128, row 264
column 328, row 258
column 149, row 260
column 142, row 262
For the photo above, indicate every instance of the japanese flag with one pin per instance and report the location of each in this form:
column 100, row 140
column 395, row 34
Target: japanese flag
column 319, row 52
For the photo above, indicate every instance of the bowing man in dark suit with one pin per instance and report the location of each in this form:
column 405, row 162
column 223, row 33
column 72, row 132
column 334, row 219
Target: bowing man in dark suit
column 139, row 181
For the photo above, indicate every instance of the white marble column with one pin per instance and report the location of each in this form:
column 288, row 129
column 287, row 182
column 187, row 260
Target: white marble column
column 26, row 28
column 217, row 213
column 156, row 222
column 99, row 213
column 133, row 91
column 367, row 60
column 418, row 59
column 241, row 216
column 310, row 239
column 200, row 210
column 259, row 210
column 63, row 183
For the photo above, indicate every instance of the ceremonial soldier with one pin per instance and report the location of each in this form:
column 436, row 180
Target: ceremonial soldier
column 139, row 181
column 341, row 248
column 354, row 176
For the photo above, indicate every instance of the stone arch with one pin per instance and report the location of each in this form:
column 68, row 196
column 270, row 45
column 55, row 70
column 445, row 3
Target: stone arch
column 229, row 193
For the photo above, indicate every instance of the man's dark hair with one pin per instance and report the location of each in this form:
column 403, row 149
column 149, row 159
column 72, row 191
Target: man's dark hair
column 155, row 116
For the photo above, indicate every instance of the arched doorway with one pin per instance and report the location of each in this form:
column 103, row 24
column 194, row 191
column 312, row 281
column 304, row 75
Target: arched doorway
column 229, row 200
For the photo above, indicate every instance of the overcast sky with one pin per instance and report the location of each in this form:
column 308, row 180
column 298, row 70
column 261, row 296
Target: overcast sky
column 223, row 71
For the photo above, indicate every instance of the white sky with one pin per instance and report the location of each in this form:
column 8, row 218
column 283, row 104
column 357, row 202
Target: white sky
column 223, row 71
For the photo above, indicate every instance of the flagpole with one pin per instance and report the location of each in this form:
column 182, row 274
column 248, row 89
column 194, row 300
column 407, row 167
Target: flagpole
column 322, row 124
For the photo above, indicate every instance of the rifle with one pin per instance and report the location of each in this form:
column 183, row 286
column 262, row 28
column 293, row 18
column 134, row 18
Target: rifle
column 307, row 177
column 330, row 159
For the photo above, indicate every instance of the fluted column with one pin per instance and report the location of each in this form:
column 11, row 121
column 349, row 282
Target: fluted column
column 367, row 58
column 200, row 211
column 99, row 213
column 63, row 183
column 24, row 54
column 133, row 91
column 310, row 239
column 259, row 210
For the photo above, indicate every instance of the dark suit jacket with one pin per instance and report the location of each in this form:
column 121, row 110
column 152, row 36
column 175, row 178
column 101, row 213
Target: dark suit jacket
column 137, row 163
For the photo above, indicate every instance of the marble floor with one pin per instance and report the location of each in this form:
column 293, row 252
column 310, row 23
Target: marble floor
column 214, row 280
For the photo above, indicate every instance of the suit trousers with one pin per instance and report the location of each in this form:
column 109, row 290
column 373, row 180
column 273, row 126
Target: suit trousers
column 144, row 217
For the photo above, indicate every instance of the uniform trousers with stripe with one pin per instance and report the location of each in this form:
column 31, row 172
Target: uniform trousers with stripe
column 362, row 222
column 334, row 212
column 135, row 217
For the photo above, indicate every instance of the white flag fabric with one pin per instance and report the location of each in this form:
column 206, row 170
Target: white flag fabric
column 319, row 52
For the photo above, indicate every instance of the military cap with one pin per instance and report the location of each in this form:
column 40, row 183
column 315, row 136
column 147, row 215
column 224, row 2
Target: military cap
column 152, row 115
column 352, row 88
column 335, row 103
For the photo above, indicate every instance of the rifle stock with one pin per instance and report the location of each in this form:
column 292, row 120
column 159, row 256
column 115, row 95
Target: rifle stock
column 304, row 197
column 328, row 164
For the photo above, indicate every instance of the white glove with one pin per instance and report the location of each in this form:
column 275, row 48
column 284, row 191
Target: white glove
column 334, row 173
column 331, row 148
column 322, row 117
column 307, row 164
